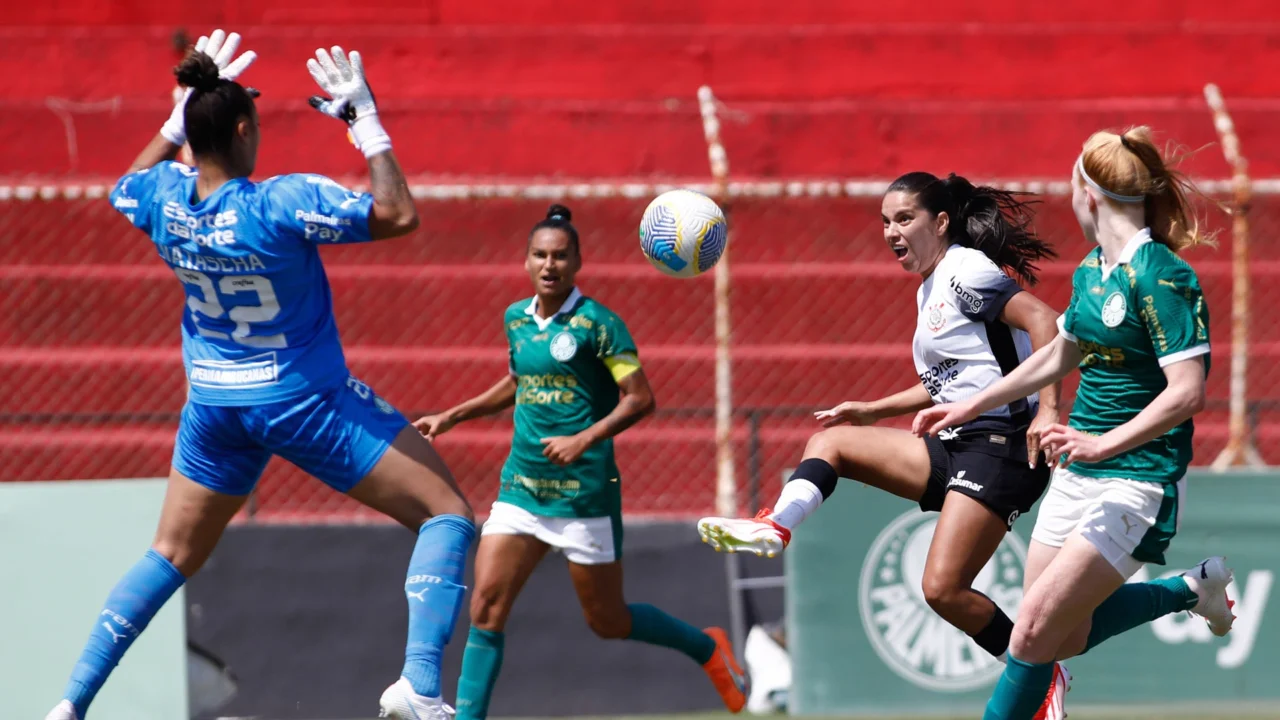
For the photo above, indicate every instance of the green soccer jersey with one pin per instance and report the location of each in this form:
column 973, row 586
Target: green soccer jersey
column 567, row 369
column 1130, row 321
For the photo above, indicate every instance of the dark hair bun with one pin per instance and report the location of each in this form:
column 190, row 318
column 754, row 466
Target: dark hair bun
column 197, row 71
column 559, row 212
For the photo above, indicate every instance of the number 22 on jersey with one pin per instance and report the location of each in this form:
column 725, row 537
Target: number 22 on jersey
column 210, row 305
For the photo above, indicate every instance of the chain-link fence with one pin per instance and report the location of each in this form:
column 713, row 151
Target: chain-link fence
column 92, row 381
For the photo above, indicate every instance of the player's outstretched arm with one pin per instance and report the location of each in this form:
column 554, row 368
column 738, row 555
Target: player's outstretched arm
column 1028, row 312
column 393, row 213
column 1183, row 397
column 351, row 101
column 496, row 399
column 1046, row 366
column 173, row 134
column 853, row 412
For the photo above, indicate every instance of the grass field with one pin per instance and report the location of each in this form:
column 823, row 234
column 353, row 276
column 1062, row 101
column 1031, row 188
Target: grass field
column 1252, row 712
column 1199, row 712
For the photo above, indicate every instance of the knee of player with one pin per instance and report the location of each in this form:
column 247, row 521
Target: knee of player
column 609, row 625
column 942, row 593
column 187, row 560
column 456, row 505
column 488, row 611
column 464, row 509
column 1030, row 640
column 823, row 445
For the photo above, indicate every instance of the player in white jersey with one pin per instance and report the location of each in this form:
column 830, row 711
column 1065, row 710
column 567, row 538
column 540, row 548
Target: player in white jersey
column 974, row 326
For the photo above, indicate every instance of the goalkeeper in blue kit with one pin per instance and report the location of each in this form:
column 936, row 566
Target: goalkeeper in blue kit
column 265, row 367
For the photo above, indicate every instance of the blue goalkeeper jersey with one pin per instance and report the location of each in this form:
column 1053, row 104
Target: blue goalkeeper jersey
column 258, row 325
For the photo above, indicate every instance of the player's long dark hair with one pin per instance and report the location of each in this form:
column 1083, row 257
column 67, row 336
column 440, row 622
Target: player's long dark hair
column 559, row 218
column 214, row 107
column 996, row 222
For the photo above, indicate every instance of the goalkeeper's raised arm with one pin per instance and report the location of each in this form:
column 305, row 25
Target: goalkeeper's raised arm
column 349, row 99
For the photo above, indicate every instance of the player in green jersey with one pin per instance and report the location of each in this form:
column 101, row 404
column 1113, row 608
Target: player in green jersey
column 1137, row 327
column 575, row 381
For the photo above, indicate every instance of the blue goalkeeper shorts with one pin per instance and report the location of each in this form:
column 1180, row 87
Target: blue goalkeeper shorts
column 337, row 435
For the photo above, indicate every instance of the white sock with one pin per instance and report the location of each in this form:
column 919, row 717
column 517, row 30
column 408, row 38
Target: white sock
column 798, row 500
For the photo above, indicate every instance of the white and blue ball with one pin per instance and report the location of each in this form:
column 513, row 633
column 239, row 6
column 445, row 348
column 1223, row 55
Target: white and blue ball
column 683, row 233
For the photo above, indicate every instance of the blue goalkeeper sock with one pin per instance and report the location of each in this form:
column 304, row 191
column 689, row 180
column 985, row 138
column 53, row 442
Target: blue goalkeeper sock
column 435, row 592
column 481, row 663
column 1136, row 604
column 1020, row 692
column 653, row 626
column 129, row 608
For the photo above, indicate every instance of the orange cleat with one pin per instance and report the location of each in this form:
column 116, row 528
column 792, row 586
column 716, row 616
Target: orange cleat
column 1054, row 705
column 725, row 673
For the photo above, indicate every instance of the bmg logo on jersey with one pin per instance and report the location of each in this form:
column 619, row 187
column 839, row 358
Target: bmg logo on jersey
column 971, row 298
column 188, row 227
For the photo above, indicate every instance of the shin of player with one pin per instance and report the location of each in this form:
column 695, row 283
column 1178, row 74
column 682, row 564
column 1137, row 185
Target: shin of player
column 1137, row 327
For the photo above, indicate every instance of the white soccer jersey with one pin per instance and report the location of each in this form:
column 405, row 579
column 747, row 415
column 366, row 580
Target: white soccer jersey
column 961, row 347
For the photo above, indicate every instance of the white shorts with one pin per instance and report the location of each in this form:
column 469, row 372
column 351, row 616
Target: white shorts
column 1130, row 522
column 584, row 541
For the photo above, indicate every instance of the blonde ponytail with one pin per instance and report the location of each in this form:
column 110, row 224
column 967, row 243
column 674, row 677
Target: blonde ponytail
column 1130, row 164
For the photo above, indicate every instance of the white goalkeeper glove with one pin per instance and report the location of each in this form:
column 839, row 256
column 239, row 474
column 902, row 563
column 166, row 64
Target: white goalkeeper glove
column 350, row 98
column 219, row 46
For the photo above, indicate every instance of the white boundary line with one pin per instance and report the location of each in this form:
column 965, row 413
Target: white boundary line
column 595, row 189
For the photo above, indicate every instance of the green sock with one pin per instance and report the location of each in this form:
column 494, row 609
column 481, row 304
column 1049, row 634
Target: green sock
column 1020, row 692
column 655, row 627
column 481, row 663
column 1136, row 604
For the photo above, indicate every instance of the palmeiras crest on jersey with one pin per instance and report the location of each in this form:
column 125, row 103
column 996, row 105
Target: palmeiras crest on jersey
column 909, row 637
column 1113, row 310
column 563, row 346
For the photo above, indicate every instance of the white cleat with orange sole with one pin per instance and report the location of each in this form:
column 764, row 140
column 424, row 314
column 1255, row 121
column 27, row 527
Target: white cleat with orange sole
column 1209, row 581
column 401, row 702
column 759, row 535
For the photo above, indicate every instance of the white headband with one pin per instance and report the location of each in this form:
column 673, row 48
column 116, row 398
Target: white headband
column 1134, row 199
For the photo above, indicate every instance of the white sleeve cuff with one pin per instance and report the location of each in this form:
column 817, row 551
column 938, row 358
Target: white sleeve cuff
column 1181, row 355
column 174, row 129
column 1062, row 329
column 369, row 136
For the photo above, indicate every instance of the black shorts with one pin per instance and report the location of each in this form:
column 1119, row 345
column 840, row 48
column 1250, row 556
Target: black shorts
column 995, row 475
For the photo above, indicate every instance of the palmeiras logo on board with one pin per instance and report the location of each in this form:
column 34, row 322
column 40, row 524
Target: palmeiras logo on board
column 913, row 641
column 1113, row 310
column 563, row 346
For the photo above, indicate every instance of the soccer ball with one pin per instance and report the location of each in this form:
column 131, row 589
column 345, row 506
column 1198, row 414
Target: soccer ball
column 683, row 233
